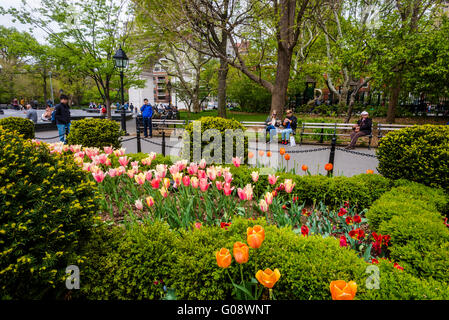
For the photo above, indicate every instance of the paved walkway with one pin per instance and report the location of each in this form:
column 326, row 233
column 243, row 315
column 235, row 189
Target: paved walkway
column 345, row 163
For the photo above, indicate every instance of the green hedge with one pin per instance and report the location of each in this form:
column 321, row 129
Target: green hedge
column 185, row 260
column 419, row 239
column 95, row 133
column 361, row 190
column 23, row 126
column 418, row 153
column 46, row 213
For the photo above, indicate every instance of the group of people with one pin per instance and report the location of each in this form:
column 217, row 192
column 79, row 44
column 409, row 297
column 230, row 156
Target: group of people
column 288, row 126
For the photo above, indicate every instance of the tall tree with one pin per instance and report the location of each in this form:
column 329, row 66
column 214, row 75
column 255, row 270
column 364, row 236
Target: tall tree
column 87, row 36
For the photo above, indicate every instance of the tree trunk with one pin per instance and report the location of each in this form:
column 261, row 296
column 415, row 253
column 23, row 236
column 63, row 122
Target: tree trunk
column 44, row 86
column 279, row 92
column 222, row 76
column 394, row 98
column 350, row 105
column 343, row 98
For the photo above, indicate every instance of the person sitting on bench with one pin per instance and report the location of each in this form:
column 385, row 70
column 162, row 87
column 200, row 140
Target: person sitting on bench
column 290, row 123
column 362, row 128
column 271, row 123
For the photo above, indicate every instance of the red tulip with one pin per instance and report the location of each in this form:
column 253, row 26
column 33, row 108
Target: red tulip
column 304, row 230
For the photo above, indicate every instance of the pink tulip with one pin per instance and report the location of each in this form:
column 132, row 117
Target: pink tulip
column 130, row 173
column 227, row 177
column 161, row 170
column 150, row 201
column 108, row 150
column 123, row 161
column 166, row 183
column 119, row 152
column 148, row 175
column 272, row 179
column 177, row 178
column 211, row 173
column 98, row 176
column 343, row 242
column 289, row 185
column 268, row 198
column 112, row 172
column 163, row 192
column 79, row 161
column 219, row 185
column 155, row 183
column 140, row 178
column 186, row 181
column 236, row 161
column 108, row 162
column 192, row 169
column 198, row 225
column 138, row 204
column 202, row 164
column 241, row 194
column 248, row 192
column 174, row 169
column 202, row 174
column 204, row 184
column 255, row 176
column 194, row 182
column 227, row 190
column 120, row 170
column 263, row 205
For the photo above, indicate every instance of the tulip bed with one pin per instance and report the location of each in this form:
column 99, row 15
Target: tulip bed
column 174, row 230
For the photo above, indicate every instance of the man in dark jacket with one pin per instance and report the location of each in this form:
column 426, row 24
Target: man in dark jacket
column 147, row 114
column 62, row 117
column 362, row 128
column 290, row 124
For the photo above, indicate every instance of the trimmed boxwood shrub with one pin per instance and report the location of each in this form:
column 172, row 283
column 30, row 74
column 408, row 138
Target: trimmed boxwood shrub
column 418, row 153
column 95, row 133
column 136, row 259
column 221, row 125
column 21, row 125
column 361, row 190
column 46, row 210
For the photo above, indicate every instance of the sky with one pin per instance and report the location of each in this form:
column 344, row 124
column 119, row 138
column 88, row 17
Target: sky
column 7, row 20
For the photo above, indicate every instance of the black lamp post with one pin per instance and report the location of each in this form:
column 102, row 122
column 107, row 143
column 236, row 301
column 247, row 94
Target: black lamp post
column 121, row 62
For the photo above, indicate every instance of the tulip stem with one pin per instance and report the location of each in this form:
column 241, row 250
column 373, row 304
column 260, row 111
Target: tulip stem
column 229, row 276
column 241, row 272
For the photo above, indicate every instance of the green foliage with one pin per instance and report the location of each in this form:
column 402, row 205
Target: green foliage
column 46, row 209
column 361, row 190
column 419, row 239
column 135, row 261
column 222, row 126
column 160, row 159
column 395, row 284
column 95, row 133
column 23, row 126
column 419, row 153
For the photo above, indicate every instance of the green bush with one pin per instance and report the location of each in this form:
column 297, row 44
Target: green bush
column 46, row 210
column 134, row 262
column 125, row 265
column 220, row 124
column 95, row 133
column 409, row 199
column 361, row 190
column 401, row 285
column 160, row 159
column 21, row 125
column 418, row 153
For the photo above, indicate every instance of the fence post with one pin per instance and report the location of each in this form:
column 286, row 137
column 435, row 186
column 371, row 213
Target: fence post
column 322, row 135
column 163, row 143
column 139, row 147
column 332, row 153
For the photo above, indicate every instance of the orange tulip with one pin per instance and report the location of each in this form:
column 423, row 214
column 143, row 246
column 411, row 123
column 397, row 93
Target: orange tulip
column 304, row 167
column 268, row 278
column 250, row 155
column 282, row 151
column 328, row 166
column 341, row 290
column 268, row 153
column 255, row 236
column 287, row 156
column 261, row 153
column 369, row 171
column 241, row 252
column 223, row 258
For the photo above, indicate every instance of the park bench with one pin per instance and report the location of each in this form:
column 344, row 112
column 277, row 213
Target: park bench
column 159, row 124
column 382, row 129
column 253, row 124
column 329, row 129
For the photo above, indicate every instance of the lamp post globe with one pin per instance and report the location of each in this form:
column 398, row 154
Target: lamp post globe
column 121, row 62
